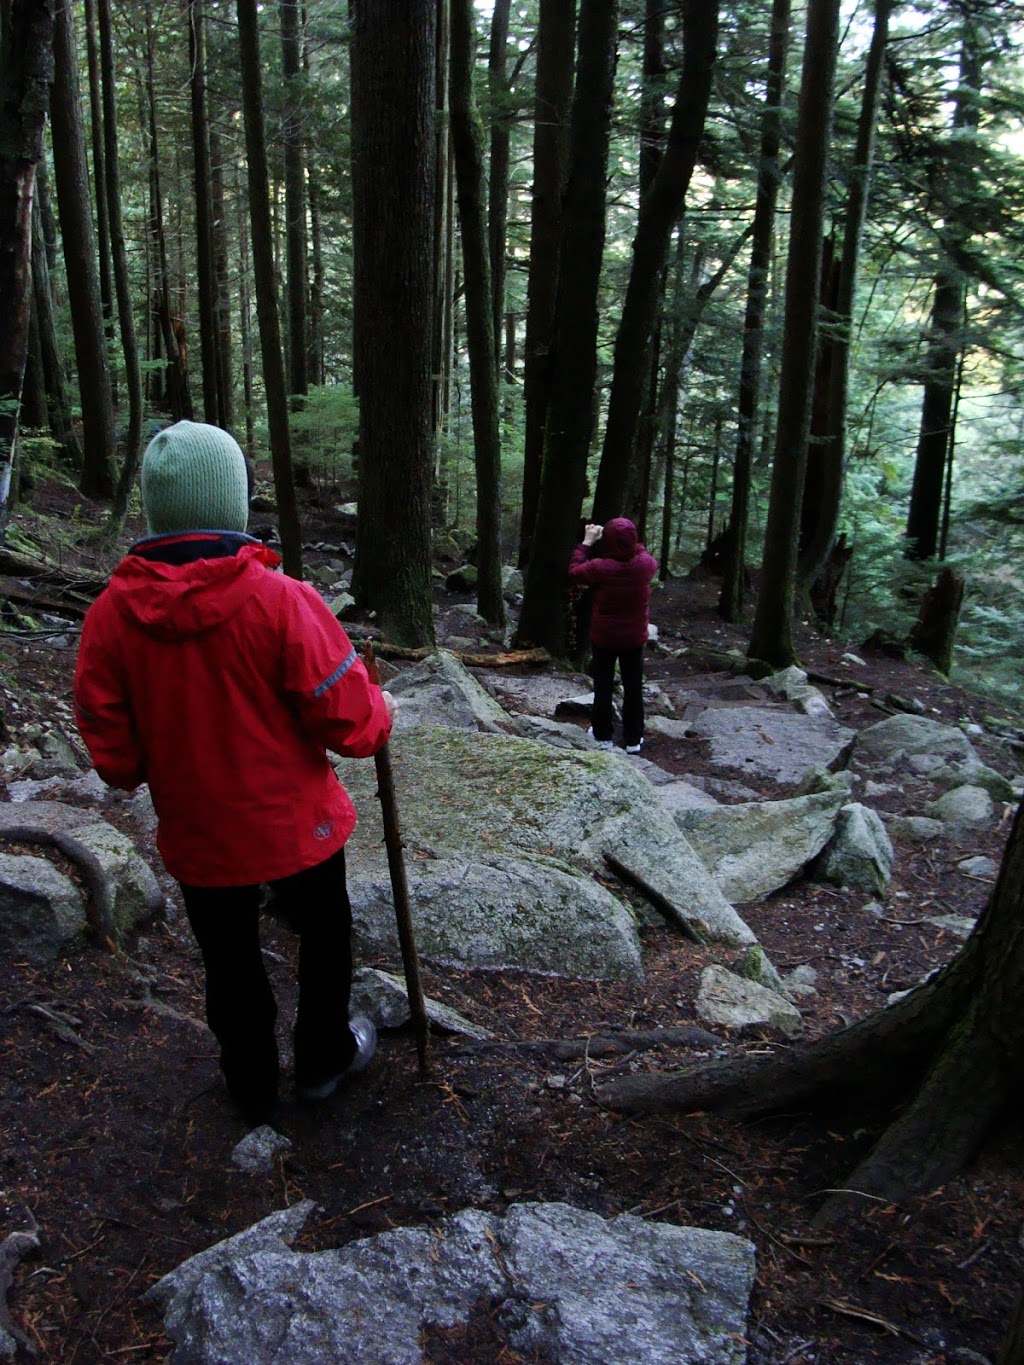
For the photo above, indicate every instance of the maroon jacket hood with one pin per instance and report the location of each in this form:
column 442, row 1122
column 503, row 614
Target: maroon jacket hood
column 619, row 538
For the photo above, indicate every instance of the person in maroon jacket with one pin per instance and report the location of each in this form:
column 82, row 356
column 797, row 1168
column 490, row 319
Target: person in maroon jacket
column 618, row 569
column 223, row 684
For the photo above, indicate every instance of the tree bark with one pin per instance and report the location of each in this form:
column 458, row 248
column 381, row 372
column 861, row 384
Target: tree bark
column 266, row 288
column 394, row 71
column 58, row 402
column 734, row 571
column 772, row 635
column 831, row 454
column 570, row 412
column 659, row 211
column 99, row 176
column 205, row 273
column 946, row 330
column 179, row 394
column 555, row 45
column 294, row 197
column 497, row 196
column 126, row 324
column 26, row 74
column 71, row 179
column 467, row 140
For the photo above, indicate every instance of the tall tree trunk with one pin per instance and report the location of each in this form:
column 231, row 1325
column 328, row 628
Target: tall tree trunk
column 71, row 179
column 26, row 75
column 497, row 199
column 99, row 176
column 659, row 211
column 394, row 73
column 126, row 323
column 830, row 454
column 570, row 414
column 315, row 372
column 266, row 287
column 555, row 46
column 294, row 196
column 205, row 272
column 178, row 389
column 467, row 140
column 772, row 636
column 946, row 327
column 443, row 239
column 222, row 286
column 951, row 1053
column 58, row 401
column 730, row 602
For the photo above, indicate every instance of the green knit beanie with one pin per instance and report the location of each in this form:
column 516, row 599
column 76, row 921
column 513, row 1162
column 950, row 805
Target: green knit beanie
column 194, row 478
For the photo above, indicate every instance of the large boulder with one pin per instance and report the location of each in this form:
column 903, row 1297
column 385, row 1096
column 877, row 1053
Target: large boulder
column 439, row 691
column 472, row 797
column 42, row 913
column 772, row 743
column 565, row 1285
column 755, row 848
column 927, row 749
column 529, row 913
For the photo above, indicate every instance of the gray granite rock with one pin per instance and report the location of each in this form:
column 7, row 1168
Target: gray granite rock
column 566, row 1284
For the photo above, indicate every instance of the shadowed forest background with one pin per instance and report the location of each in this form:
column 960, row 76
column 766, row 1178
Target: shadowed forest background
column 750, row 276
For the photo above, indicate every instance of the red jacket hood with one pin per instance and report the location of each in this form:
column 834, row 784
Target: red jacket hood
column 175, row 601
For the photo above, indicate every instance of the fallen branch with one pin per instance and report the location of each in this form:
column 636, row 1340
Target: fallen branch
column 599, row 1044
column 470, row 658
column 64, row 1025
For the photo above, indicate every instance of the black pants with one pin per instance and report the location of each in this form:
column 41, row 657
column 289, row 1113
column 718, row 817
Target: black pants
column 602, row 668
column 240, row 1005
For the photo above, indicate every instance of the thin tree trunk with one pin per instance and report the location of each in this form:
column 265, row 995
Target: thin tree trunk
column 295, row 197
column 266, row 288
column 178, row 388
column 772, row 636
column 222, row 286
column 99, row 176
column 467, row 140
column 58, row 401
column 550, row 157
column 830, row 455
column 497, row 202
column 71, row 178
column 659, row 211
column 730, row 602
column 317, row 288
column 126, row 323
column 570, row 413
column 26, row 74
column 205, row 272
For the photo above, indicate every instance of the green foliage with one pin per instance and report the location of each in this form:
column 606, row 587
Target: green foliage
column 324, row 429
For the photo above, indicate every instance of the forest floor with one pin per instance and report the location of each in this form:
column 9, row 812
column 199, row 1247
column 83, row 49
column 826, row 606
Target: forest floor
column 117, row 1136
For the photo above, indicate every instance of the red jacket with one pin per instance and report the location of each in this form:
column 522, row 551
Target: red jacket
column 619, row 570
column 222, row 684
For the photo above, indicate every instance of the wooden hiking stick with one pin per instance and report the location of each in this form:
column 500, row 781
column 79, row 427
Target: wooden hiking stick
column 399, row 885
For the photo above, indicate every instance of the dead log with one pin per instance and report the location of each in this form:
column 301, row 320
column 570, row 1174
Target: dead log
column 948, row 1057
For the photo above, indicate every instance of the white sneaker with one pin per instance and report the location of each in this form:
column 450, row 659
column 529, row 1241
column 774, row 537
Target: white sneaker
column 601, row 743
column 634, row 748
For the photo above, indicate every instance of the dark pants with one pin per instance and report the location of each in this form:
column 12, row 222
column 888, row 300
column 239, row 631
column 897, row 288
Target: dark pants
column 602, row 668
column 240, row 1005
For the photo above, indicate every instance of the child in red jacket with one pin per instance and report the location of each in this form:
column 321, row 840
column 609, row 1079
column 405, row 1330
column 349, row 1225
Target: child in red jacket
column 618, row 569
column 223, row 684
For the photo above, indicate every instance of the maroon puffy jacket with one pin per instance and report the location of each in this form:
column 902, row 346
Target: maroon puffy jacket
column 619, row 570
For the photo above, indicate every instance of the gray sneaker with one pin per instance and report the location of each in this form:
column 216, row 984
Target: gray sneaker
column 365, row 1034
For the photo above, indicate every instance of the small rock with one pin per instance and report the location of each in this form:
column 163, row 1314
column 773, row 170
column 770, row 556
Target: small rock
column 256, row 1151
